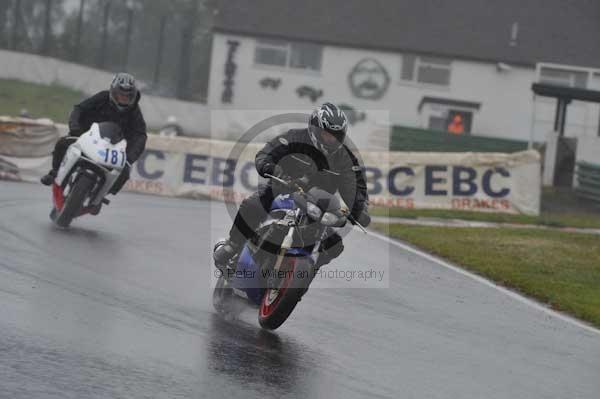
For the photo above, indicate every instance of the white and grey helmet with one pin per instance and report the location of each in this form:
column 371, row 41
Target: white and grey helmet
column 123, row 91
column 331, row 119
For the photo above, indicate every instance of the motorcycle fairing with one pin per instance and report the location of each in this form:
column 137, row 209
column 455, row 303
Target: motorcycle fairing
column 248, row 275
column 92, row 148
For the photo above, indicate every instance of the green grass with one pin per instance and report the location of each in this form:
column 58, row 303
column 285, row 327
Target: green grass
column 560, row 208
column 546, row 219
column 54, row 102
column 557, row 268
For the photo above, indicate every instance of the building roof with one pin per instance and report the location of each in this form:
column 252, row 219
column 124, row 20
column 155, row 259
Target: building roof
column 559, row 31
column 566, row 93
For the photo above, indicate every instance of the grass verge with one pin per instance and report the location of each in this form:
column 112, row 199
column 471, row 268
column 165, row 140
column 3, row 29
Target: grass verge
column 579, row 220
column 41, row 101
column 560, row 208
column 556, row 268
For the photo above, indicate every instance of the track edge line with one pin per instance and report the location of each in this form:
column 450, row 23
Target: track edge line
column 506, row 291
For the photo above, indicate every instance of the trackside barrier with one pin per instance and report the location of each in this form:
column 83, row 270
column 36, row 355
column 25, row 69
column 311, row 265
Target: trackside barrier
column 224, row 170
column 588, row 181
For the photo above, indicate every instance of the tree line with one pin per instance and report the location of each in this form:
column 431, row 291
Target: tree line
column 164, row 43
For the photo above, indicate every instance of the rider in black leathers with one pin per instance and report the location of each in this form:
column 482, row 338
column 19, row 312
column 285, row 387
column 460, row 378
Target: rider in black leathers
column 120, row 105
column 287, row 156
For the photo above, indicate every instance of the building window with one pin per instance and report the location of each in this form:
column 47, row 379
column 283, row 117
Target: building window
column 595, row 84
column 448, row 114
column 564, row 77
column 408, row 67
column 457, row 122
column 306, row 56
column 426, row 70
column 270, row 52
column 290, row 55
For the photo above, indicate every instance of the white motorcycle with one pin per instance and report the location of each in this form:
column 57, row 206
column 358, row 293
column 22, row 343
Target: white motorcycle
column 87, row 173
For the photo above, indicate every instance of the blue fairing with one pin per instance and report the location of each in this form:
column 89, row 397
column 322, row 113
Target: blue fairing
column 283, row 202
column 247, row 277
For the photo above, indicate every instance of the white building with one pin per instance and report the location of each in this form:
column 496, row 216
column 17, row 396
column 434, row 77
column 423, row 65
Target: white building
column 422, row 60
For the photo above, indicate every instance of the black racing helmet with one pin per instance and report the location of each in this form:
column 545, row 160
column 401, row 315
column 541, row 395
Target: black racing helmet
column 123, row 91
column 327, row 128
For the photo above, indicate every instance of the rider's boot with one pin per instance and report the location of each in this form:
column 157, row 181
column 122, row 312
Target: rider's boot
column 95, row 209
column 48, row 178
column 321, row 261
column 224, row 251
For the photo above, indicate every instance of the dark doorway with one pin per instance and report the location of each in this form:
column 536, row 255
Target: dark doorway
column 566, row 151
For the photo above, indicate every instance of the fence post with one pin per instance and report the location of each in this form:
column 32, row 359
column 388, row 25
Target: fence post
column 159, row 51
column 102, row 55
column 47, row 28
column 128, row 34
column 15, row 27
column 185, row 58
column 77, row 54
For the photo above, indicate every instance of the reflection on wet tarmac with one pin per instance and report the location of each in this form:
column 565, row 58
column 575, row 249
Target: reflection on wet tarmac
column 119, row 307
column 251, row 355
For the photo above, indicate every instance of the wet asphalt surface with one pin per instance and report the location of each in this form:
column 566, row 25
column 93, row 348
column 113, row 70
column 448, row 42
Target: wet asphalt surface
column 119, row 306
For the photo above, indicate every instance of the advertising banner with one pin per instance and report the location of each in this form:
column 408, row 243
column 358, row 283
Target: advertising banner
column 224, row 170
column 508, row 183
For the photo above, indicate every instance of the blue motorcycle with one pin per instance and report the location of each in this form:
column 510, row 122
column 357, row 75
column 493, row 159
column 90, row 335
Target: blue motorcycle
column 274, row 270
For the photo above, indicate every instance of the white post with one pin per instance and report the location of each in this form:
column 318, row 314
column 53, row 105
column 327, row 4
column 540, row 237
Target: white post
column 550, row 158
column 532, row 127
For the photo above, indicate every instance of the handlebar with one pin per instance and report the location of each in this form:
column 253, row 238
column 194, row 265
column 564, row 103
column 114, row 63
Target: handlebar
column 288, row 184
column 356, row 223
column 284, row 182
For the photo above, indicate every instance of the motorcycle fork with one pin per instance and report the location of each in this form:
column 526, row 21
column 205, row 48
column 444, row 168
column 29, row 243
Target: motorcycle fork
column 288, row 241
column 287, row 244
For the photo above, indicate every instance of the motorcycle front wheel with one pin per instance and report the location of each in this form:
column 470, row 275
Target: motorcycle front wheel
column 278, row 303
column 74, row 201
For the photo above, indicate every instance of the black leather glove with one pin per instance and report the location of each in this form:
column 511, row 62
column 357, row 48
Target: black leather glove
column 301, row 182
column 278, row 186
column 363, row 218
column 271, row 169
column 278, row 172
column 122, row 179
column 126, row 170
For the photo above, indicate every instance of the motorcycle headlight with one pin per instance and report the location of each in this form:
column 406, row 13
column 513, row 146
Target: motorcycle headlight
column 313, row 211
column 329, row 219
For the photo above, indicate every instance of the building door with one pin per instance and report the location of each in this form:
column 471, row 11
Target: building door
column 565, row 161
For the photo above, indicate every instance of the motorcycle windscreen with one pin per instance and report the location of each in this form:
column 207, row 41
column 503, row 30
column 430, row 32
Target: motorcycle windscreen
column 110, row 131
column 283, row 202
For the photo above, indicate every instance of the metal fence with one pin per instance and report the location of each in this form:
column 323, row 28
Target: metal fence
column 588, row 181
column 423, row 140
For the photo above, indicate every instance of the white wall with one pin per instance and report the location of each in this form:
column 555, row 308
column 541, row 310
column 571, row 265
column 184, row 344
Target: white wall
column 582, row 118
column 506, row 98
column 588, row 150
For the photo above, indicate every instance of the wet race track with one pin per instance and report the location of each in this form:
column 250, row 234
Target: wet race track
column 119, row 306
